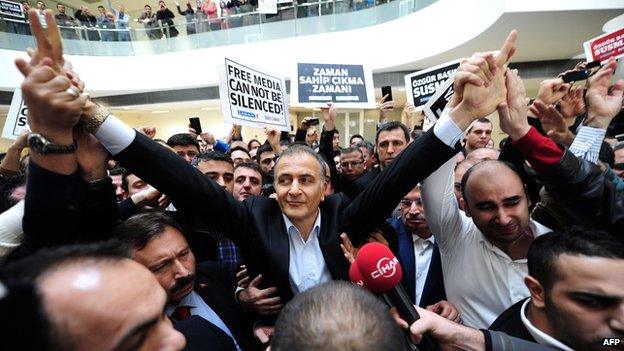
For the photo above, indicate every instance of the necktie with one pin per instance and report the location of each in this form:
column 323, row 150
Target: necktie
column 181, row 313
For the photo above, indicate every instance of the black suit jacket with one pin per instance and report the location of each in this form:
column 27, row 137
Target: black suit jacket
column 256, row 225
column 510, row 323
column 202, row 335
column 433, row 290
column 216, row 288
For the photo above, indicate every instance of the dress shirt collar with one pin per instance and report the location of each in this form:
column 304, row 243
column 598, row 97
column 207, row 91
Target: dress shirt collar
column 188, row 300
column 293, row 232
column 539, row 336
column 536, row 228
column 429, row 241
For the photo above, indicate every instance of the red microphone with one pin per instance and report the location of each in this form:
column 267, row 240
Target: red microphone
column 355, row 275
column 381, row 273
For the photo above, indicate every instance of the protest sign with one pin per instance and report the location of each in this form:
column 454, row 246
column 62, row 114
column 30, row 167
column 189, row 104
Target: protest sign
column 316, row 84
column 17, row 118
column 436, row 104
column 11, row 8
column 420, row 86
column 252, row 98
column 604, row 47
column 267, row 6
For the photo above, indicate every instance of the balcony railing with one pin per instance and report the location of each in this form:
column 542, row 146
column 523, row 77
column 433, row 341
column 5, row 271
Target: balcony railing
column 243, row 25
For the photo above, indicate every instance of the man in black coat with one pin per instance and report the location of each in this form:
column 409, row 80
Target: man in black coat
column 576, row 280
column 206, row 291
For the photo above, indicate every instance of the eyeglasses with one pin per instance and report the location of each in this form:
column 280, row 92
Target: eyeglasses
column 351, row 164
column 408, row 202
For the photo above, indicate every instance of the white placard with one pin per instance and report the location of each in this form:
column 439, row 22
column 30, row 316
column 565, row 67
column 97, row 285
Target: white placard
column 420, row 86
column 436, row 104
column 17, row 119
column 251, row 97
column 267, row 6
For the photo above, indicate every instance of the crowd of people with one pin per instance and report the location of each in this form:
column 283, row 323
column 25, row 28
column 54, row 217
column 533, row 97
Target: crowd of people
column 114, row 24
column 113, row 239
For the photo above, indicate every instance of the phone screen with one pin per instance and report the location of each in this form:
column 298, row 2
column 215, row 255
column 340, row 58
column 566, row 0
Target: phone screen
column 386, row 90
column 195, row 124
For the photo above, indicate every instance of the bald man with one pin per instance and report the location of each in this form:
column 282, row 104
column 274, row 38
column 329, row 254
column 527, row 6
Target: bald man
column 484, row 248
column 94, row 299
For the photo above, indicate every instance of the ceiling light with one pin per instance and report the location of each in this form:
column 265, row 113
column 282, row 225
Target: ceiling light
column 161, row 111
column 210, row 108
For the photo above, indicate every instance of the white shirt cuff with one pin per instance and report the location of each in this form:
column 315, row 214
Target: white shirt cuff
column 446, row 130
column 587, row 143
column 115, row 135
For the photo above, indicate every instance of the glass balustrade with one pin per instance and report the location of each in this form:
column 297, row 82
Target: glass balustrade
column 235, row 26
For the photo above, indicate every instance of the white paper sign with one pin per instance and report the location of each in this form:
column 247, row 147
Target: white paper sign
column 267, row 6
column 252, row 98
column 17, row 119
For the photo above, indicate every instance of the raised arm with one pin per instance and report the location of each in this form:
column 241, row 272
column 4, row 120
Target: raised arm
column 577, row 184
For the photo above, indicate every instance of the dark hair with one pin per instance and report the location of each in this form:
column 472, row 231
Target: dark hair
column 250, row 165
column 146, row 5
column 607, row 155
column 480, row 120
column 253, row 141
column 481, row 164
column 390, row 126
column 211, row 156
column 101, row 7
column 30, row 269
column 575, row 241
column 9, row 184
column 502, row 142
column 237, row 148
column 355, row 136
column 117, row 170
column 348, row 150
column 368, row 145
column 316, row 320
column 285, row 142
column 124, row 179
column 182, row 139
column 139, row 230
column 262, row 149
column 24, row 323
column 416, row 133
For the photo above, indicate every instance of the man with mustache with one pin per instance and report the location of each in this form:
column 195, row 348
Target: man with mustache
column 420, row 257
column 201, row 299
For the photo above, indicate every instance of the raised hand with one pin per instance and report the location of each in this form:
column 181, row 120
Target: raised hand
column 48, row 40
column 554, row 122
column 273, row 137
column 348, row 250
column 572, row 104
column 385, row 107
column 54, row 105
column 262, row 301
column 602, row 104
column 148, row 131
column 483, row 91
column 552, row 90
column 329, row 116
column 513, row 111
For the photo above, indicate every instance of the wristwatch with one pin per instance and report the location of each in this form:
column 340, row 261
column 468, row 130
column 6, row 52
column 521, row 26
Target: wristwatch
column 39, row 144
